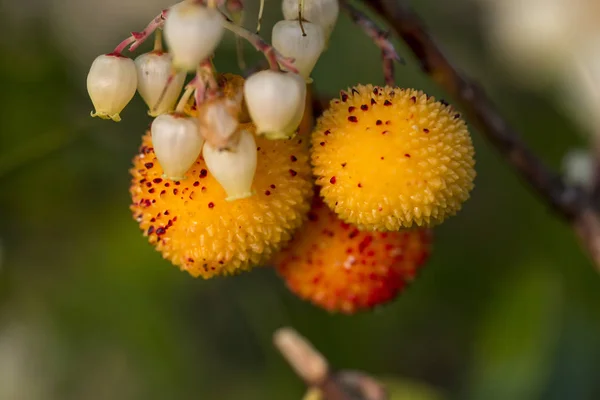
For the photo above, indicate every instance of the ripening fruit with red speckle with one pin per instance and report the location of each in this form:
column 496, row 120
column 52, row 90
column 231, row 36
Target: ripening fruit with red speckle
column 111, row 84
column 389, row 158
column 191, row 223
column 341, row 269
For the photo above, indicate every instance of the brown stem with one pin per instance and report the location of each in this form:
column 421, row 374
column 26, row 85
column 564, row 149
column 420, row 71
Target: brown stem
column 572, row 203
column 312, row 367
column 379, row 37
column 273, row 56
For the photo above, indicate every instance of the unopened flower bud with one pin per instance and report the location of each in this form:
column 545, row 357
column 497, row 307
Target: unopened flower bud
column 234, row 169
column 177, row 143
column 153, row 71
column 288, row 39
column 321, row 12
column 192, row 32
column 275, row 102
column 111, row 85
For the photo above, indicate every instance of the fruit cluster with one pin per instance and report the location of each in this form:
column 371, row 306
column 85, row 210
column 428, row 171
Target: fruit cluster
column 225, row 179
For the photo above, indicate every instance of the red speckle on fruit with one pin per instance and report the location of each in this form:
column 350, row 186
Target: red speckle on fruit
column 349, row 274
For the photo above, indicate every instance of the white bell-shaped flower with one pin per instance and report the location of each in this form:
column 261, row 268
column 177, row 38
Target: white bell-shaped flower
column 111, row 85
column 233, row 168
column 177, row 143
column 288, row 39
column 321, row 12
column 192, row 32
column 276, row 102
column 153, row 72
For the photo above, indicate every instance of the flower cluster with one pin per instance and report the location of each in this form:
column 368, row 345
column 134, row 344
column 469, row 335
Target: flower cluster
column 223, row 179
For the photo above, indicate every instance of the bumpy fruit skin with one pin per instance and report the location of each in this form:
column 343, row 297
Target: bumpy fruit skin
column 389, row 158
column 193, row 226
column 341, row 269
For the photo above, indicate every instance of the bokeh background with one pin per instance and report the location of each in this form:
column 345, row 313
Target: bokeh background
column 507, row 308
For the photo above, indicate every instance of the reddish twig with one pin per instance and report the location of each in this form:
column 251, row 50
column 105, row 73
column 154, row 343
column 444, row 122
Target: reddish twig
column 379, row 37
column 570, row 202
column 137, row 38
column 274, row 57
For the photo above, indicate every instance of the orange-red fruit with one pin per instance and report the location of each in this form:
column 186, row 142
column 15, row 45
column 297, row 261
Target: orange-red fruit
column 341, row 269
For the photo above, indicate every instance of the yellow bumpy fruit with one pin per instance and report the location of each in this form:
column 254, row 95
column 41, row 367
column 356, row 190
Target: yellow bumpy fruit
column 191, row 223
column 390, row 158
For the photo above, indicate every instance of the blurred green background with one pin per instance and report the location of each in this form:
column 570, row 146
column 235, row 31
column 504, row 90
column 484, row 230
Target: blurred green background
column 508, row 307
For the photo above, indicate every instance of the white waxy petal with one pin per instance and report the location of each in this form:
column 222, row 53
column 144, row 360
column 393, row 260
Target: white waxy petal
column 234, row 169
column 153, row 71
column 321, row 12
column 288, row 39
column 275, row 102
column 177, row 143
column 192, row 32
column 111, row 85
